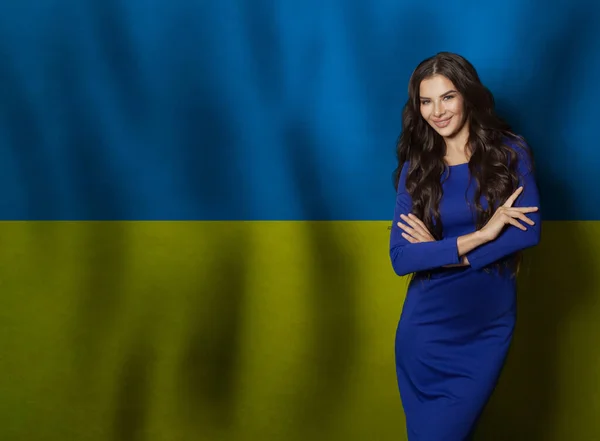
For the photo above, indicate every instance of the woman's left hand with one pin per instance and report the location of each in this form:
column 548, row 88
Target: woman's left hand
column 415, row 231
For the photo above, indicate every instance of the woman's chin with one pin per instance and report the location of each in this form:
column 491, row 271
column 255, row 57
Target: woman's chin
column 446, row 132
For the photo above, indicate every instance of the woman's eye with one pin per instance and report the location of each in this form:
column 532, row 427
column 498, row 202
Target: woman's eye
column 448, row 97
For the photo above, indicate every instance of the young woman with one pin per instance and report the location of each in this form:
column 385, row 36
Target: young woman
column 466, row 205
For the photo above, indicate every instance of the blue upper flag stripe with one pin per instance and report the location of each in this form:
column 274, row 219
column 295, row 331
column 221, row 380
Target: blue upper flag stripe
column 241, row 111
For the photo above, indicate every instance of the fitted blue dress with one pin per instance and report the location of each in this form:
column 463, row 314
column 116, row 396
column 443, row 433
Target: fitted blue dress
column 457, row 323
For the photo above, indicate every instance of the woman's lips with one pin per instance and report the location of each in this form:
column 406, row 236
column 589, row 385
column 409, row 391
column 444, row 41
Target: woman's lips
column 442, row 123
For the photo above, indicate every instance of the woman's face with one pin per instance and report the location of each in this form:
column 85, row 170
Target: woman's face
column 442, row 106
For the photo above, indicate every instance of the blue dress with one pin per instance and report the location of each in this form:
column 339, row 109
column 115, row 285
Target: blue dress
column 456, row 323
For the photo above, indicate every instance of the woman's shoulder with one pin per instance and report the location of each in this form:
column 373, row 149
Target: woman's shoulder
column 519, row 145
column 515, row 142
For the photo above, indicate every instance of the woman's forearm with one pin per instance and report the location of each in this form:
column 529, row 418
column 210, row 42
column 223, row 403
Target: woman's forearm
column 469, row 242
column 466, row 244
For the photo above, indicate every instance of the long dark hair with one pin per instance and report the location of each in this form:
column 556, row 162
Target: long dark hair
column 492, row 163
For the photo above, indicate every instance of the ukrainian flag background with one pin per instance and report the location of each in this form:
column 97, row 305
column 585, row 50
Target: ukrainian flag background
column 196, row 198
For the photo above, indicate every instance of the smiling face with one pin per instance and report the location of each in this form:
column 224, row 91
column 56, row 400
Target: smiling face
column 442, row 106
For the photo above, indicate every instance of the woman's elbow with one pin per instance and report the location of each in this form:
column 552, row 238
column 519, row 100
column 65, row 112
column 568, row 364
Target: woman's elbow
column 400, row 270
column 399, row 263
column 534, row 237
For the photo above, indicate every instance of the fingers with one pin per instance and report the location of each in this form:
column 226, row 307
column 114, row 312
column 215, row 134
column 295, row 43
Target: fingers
column 511, row 216
column 517, row 224
column 410, row 238
column 524, row 209
column 516, row 213
column 416, row 224
column 415, row 228
column 525, row 219
column 417, row 221
column 513, row 197
column 410, row 232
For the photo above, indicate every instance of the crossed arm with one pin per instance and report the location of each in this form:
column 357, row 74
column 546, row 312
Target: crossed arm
column 412, row 248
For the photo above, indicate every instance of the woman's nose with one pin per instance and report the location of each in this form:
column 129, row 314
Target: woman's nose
column 438, row 110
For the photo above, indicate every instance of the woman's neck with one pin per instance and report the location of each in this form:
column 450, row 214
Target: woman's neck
column 456, row 146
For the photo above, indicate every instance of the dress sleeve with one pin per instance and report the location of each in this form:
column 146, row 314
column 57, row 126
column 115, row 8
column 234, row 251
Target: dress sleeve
column 409, row 257
column 512, row 239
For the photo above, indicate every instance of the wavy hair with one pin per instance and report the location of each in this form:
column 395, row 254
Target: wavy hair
column 492, row 163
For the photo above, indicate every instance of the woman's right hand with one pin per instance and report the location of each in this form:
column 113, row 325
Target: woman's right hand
column 507, row 215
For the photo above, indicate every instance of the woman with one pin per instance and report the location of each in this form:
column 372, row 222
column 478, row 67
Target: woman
column 466, row 205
